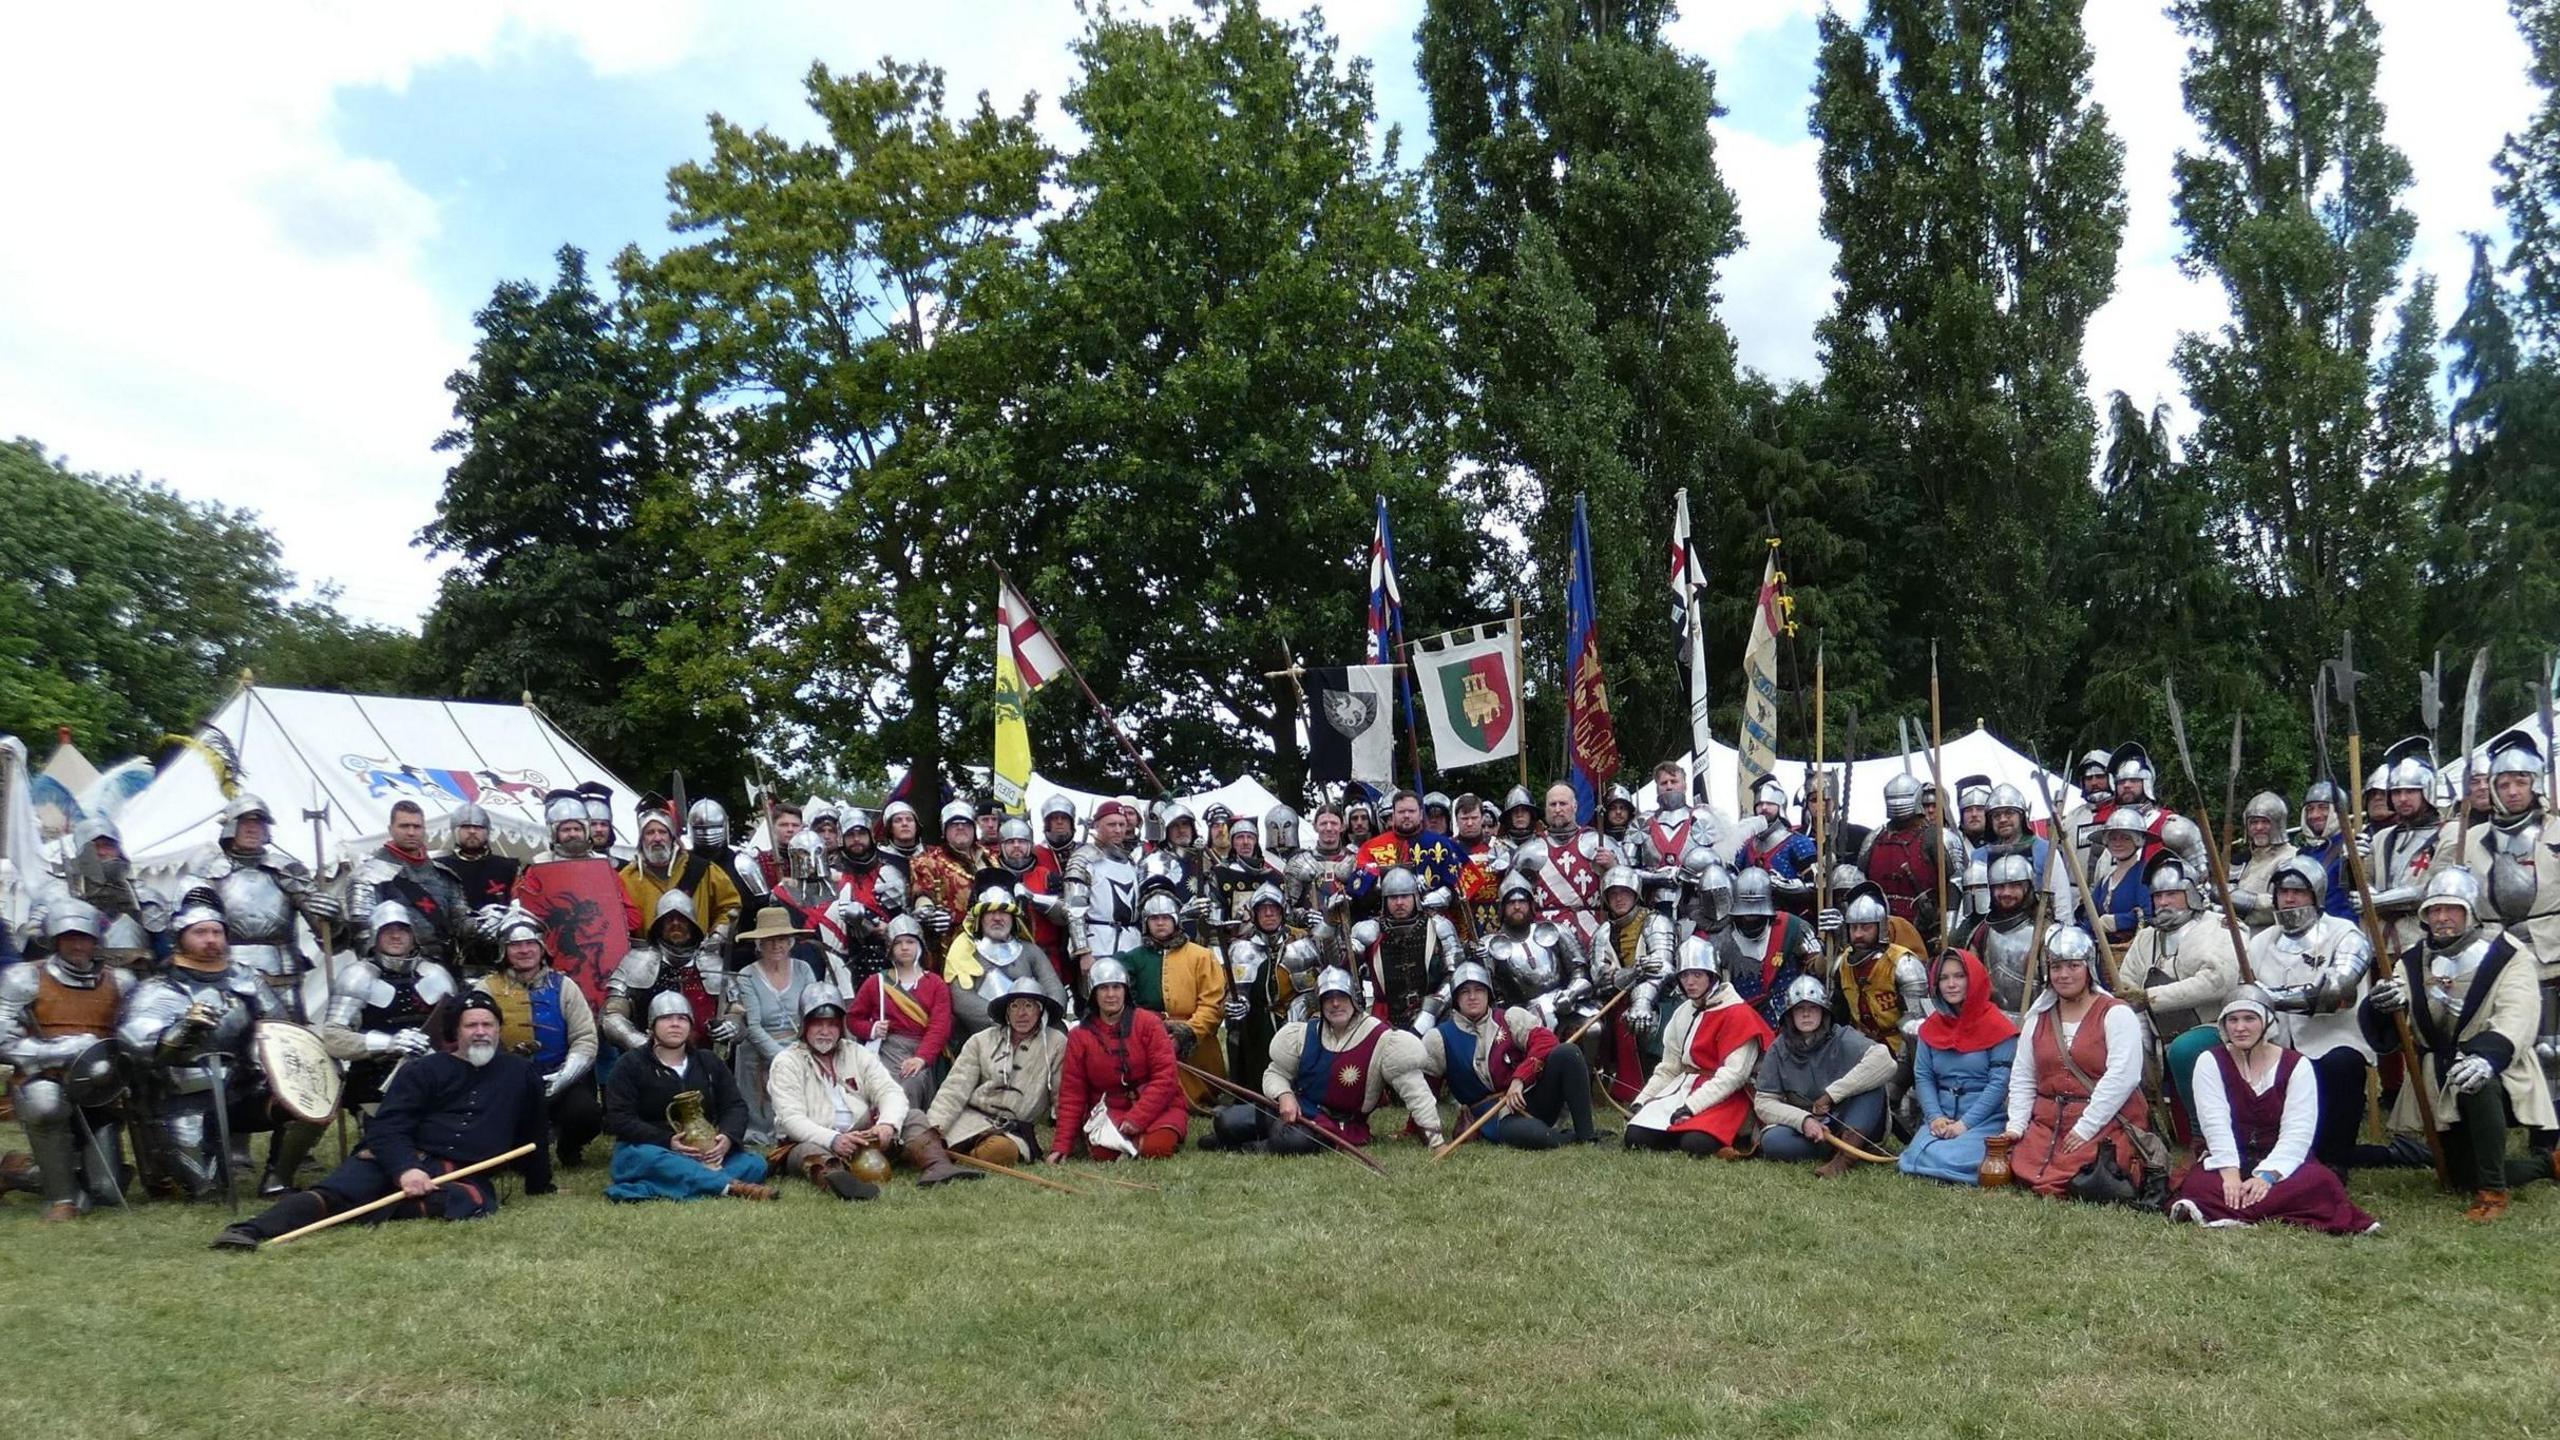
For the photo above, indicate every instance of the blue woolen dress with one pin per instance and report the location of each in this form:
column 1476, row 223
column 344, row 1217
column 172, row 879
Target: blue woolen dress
column 1972, row 1086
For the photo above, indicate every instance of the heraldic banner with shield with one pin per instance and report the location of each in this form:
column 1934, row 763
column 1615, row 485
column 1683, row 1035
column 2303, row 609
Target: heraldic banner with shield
column 1471, row 693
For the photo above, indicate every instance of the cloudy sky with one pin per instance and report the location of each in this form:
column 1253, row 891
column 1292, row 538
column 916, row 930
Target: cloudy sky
column 247, row 241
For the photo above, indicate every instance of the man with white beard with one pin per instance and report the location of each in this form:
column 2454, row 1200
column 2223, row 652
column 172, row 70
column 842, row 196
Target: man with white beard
column 462, row 1102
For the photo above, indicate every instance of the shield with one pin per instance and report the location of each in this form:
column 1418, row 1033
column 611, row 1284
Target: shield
column 93, row 1080
column 300, row 1075
column 584, row 914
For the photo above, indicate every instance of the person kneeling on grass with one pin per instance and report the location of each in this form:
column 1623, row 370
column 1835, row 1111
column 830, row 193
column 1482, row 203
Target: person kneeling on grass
column 2474, row 1018
column 1959, row 1073
column 1004, row 1082
column 1507, row 1060
column 2257, row 1109
column 1818, row 1078
column 459, row 1104
column 651, row 1161
column 1118, row 1093
column 1331, row 1073
column 1698, row 1101
column 832, row 1100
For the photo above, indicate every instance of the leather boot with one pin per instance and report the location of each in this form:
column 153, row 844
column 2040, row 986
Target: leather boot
column 2487, row 1206
column 18, row 1172
column 925, row 1152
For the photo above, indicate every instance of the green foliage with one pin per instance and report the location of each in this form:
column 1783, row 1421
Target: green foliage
column 125, row 612
column 1249, row 348
column 555, row 589
column 1974, row 190
column 2309, row 433
column 311, row 646
column 839, row 331
column 1575, row 193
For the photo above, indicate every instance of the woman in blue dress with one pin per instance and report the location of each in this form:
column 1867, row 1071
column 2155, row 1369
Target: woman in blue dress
column 1961, row 1072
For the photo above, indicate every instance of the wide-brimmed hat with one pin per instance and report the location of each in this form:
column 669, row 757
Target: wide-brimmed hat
column 771, row 921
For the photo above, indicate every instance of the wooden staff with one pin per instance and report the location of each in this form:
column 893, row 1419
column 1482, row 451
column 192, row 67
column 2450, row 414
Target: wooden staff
column 1256, row 1097
column 1821, row 826
column 992, row 1168
column 1600, row 1014
column 1520, row 689
column 1491, row 1109
column 396, row 1196
column 1125, row 1184
column 1937, row 780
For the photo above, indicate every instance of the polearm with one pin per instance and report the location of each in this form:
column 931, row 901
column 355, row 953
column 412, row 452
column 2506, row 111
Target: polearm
column 1520, row 693
column 1821, row 841
column 2342, row 675
column 1257, row 1098
column 2219, row 869
column 2079, row 876
column 2470, row 742
column 1938, row 781
column 1118, row 733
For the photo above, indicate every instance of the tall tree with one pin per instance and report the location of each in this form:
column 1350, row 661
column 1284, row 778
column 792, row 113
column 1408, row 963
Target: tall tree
column 2293, row 205
column 841, row 326
column 1975, row 193
column 126, row 612
column 1249, row 350
column 551, row 590
column 1575, row 190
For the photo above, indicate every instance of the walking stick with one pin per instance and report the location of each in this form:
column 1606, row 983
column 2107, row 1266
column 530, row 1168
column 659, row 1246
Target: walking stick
column 992, row 1168
column 2341, row 673
column 1256, row 1097
column 396, row 1196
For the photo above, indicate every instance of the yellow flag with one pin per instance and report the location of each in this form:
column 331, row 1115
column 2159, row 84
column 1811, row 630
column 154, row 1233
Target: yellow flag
column 1012, row 769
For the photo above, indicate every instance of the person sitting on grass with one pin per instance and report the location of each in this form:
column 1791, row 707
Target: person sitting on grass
column 1960, row 1073
column 2474, row 1018
column 2257, row 1108
column 1506, row 1060
column 1003, row 1083
column 1331, row 1073
column 464, row 1101
column 1820, row 1078
column 1699, row 1098
column 832, row 1100
column 2078, row 1092
column 1118, row 1091
column 904, row 1013
column 651, row 1160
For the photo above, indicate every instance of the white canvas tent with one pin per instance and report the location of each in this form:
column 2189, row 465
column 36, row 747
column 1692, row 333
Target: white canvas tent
column 1977, row 753
column 358, row 754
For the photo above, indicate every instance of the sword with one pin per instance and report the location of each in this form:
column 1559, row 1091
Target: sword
column 98, row 1152
column 219, row 1073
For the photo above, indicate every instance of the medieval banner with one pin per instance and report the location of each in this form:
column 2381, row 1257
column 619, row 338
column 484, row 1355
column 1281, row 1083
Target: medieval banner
column 586, row 917
column 1470, row 694
column 1759, row 744
column 1350, row 723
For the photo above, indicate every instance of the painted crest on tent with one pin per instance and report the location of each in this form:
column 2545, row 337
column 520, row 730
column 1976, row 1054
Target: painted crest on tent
column 383, row 775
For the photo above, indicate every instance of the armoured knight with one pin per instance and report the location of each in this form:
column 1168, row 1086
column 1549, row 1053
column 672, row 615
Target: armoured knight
column 58, row 1018
column 1101, row 890
column 675, row 961
column 378, row 1007
column 263, row 893
column 1406, row 952
column 1540, row 964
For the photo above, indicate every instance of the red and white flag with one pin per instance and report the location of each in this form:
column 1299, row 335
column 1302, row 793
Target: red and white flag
column 1036, row 655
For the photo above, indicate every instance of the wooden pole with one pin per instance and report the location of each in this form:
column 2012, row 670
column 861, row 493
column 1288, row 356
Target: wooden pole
column 1256, row 1097
column 1412, row 727
column 1822, row 824
column 395, row 1197
column 2384, row 960
column 1520, row 691
column 1117, row 732
column 1938, row 781
column 1493, row 1107
column 992, row 1168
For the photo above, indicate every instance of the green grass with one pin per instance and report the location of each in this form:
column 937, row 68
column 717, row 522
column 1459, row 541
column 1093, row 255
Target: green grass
column 1500, row 1294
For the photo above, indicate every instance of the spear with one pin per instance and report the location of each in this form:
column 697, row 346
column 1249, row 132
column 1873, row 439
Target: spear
column 2550, row 743
column 2231, row 786
column 2342, row 676
column 2219, row 868
column 2079, row 877
column 1821, row 837
column 1937, row 781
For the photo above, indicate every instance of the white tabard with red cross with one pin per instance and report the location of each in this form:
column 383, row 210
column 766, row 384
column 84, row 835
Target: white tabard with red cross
column 1569, row 885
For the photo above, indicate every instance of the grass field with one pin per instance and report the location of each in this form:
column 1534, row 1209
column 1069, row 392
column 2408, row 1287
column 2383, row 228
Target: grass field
column 1575, row 1293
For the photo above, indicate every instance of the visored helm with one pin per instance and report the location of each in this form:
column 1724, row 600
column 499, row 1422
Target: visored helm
column 709, row 823
column 1280, row 827
column 1901, row 797
column 1751, row 895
